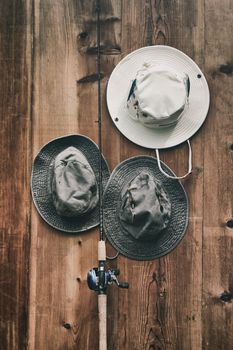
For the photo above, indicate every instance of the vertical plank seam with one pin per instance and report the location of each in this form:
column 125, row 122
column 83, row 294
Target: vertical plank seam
column 30, row 154
column 203, row 192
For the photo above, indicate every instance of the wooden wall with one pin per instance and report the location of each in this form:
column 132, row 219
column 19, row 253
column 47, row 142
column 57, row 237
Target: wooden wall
column 49, row 89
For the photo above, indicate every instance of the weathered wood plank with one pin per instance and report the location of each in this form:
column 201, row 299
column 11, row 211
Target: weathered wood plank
column 164, row 301
column 163, row 307
column 88, row 117
column 65, row 102
column 56, row 258
column 15, row 95
column 218, row 237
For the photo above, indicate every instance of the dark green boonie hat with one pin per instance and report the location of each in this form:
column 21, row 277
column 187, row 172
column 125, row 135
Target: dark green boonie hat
column 65, row 182
column 145, row 213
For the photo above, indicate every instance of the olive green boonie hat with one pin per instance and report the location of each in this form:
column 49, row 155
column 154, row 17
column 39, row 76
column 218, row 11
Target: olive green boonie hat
column 145, row 212
column 64, row 183
column 145, row 207
column 74, row 187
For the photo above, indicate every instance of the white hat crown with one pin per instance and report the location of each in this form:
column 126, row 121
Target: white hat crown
column 158, row 95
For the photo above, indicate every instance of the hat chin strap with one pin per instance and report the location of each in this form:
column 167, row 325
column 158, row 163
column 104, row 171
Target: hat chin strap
column 176, row 177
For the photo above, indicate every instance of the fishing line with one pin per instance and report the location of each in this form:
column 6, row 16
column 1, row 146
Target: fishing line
column 98, row 278
column 99, row 122
column 101, row 215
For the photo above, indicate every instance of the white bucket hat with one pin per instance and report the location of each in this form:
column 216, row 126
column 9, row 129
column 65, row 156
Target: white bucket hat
column 158, row 98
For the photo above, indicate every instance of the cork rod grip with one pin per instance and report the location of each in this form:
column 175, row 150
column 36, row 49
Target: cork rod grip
column 101, row 251
column 102, row 306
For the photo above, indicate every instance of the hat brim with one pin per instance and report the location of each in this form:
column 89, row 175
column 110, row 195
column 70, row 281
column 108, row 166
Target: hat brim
column 122, row 241
column 118, row 89
column 40, row 180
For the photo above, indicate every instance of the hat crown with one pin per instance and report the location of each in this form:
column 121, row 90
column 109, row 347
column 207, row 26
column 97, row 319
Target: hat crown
column 145, row 208
column 159, row 95
column 74, row 188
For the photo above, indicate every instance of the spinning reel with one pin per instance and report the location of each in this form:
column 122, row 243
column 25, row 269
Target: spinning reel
column 98, row 279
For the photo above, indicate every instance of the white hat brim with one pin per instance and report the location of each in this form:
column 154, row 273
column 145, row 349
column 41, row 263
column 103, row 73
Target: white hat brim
column 118, row 88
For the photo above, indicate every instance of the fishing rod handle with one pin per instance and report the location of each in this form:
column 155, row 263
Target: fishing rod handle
column 102, row 307
column 101, row 250
column 102, row 299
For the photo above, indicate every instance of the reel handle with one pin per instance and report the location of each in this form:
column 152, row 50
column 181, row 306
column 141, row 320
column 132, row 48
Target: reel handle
column 124, row 285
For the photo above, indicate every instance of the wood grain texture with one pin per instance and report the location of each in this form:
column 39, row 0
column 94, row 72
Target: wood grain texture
column 56, row 258
column 48, row 89
column 15, row 95
column 217, row 236
column 167, row 292
column 163, row 307
column 64, row 314
column 74, row 59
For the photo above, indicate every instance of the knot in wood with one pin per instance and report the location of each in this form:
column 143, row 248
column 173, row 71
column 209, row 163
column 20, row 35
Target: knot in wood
column 226, row 296
column 230, row 223
column 83, row 35
column 67, row 325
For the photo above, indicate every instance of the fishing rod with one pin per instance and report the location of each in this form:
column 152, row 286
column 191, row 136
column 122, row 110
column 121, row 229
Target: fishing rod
column 99, row 278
